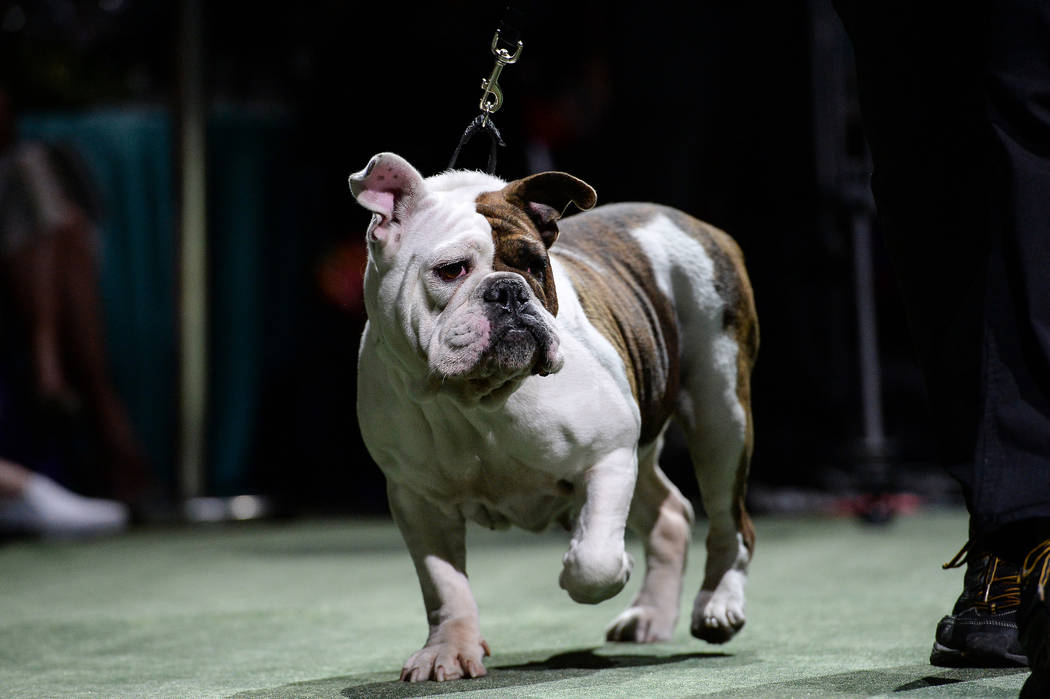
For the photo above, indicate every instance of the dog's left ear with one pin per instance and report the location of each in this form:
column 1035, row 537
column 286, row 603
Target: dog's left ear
column 545, row 197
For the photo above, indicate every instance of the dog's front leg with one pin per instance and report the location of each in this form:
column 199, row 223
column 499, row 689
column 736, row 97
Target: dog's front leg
column 596, row 565
column 436, row 540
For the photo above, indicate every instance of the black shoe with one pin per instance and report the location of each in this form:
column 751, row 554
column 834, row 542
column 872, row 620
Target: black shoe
column 982, row 628
column 1034, row 619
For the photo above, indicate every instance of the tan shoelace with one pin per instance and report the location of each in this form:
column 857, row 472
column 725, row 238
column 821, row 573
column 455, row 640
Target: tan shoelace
column 1039, row 557
column 1009, row 592
column 1008, row 596
column 959, row 559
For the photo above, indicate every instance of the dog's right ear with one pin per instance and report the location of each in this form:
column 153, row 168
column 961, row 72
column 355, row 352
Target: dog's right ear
column 546, row 195
column 385, row 186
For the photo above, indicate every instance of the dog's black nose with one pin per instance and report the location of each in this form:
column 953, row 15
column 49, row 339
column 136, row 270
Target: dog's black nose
column 507, row 293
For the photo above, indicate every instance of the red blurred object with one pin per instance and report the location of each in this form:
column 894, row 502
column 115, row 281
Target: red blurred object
column 878, row 508
column 340, row 276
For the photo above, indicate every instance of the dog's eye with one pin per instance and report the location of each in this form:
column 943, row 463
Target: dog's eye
column 453, row 271
column 537, row 269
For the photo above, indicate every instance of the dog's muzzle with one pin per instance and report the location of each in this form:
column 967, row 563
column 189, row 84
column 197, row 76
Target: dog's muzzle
column 521, row 339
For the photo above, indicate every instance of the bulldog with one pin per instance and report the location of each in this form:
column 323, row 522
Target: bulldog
column 520, row 368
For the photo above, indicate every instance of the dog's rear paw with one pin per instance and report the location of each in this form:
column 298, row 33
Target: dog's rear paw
column 718, row 614
column 641, row 624
column 446, row 661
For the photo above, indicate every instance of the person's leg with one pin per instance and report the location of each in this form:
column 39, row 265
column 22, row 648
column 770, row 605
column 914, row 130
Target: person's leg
column 84, row 333
column 1011, row 496
column 1012, row 465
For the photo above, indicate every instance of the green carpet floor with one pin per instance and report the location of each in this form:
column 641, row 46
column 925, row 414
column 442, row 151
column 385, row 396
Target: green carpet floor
column 331, row 609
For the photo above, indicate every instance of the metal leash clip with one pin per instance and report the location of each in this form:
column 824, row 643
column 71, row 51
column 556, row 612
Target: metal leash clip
column 490, row 85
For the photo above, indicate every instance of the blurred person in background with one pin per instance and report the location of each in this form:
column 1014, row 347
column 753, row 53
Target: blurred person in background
column 48, row 266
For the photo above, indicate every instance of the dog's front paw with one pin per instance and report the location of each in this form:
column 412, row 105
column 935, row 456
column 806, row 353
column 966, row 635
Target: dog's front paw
column 642, row 624
column 593, row 577
column 718, row 614
column 447, row 656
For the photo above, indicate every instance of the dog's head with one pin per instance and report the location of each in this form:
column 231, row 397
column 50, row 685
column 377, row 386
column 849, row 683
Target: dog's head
column 459, row 284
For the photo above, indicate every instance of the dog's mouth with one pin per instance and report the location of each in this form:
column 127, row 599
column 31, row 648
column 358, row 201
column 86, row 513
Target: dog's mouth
column 515, row 349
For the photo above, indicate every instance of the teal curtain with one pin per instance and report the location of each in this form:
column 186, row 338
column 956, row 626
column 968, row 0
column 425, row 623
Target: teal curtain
column 253, row 244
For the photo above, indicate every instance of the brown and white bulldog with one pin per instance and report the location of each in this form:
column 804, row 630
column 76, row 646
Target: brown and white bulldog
column 508, row 382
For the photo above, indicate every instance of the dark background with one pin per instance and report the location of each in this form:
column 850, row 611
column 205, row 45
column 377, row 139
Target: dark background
column 713, row 107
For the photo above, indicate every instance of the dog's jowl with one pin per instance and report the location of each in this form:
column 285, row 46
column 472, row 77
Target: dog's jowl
column 520, row 368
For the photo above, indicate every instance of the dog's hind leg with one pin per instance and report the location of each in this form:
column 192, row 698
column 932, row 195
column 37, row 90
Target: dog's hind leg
column 663, row 519
column 715, row 410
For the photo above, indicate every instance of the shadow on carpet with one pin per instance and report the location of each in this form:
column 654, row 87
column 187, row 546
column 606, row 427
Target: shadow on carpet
column 584, row 663
column 561, row 666
column 904, row 679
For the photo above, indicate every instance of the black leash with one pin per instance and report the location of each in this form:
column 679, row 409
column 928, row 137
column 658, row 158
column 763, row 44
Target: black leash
column 481, row 123
column 492, row 95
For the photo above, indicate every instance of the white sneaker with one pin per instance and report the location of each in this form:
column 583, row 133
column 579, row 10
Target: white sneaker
column 46, row 508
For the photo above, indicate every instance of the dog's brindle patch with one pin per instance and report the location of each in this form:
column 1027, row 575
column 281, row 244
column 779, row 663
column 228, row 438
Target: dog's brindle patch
column 519, row 247
column 624, row 303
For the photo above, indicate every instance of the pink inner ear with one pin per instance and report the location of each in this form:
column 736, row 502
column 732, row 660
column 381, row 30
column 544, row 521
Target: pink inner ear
column 377, row 200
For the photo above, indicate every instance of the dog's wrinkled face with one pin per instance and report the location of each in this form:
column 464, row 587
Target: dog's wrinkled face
column 459, row 285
